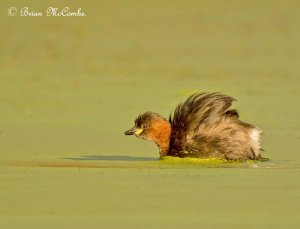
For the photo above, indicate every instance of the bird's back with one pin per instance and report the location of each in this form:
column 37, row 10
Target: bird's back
column 203, row 126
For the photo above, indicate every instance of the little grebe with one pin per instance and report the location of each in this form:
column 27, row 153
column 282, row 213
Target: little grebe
column 203, row 127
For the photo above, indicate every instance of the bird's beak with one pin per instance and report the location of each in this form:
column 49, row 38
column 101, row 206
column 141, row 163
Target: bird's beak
column 134, row 131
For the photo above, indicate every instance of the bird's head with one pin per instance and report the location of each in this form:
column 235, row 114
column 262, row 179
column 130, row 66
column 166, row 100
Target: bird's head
column 151, row 126
column 145, row 125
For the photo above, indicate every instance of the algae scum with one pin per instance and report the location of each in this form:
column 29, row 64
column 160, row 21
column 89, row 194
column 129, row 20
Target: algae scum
column 70, row 87
column 218, row 162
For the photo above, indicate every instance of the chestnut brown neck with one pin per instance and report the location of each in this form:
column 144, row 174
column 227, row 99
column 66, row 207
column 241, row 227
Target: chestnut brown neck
column 160, row 133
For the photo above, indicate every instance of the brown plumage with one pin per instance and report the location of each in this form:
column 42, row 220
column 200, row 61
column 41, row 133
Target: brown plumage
column 202, row 126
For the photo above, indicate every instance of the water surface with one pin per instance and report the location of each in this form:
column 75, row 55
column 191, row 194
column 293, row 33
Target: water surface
column 70, row 87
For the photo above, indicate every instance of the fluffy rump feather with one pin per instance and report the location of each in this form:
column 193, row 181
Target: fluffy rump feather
column 203, row 126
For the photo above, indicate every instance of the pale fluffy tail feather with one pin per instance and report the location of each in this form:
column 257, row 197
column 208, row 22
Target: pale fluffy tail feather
column 255, row 136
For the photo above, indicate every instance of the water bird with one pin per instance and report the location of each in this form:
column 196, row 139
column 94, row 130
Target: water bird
column 203, row 126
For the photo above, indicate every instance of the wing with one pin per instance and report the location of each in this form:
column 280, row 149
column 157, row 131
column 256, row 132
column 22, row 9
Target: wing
column 197, row 112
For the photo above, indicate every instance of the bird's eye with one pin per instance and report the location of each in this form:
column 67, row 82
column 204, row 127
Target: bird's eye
column 144, row 126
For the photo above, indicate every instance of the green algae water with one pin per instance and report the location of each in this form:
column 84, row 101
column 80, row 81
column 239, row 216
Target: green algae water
column 70, row 87
column 216, row 162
